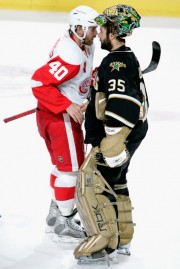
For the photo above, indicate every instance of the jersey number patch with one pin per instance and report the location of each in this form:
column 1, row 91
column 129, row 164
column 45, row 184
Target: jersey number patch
column 57, row 70
column 118, row 85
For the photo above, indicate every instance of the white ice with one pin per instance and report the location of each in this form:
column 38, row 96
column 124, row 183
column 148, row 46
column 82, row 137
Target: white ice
column 153, row 178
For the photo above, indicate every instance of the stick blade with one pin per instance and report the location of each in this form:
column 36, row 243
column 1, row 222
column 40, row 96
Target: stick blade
column 156, row 54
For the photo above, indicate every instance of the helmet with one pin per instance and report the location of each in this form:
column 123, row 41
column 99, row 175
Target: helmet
column 122, row 19
column 84, row 16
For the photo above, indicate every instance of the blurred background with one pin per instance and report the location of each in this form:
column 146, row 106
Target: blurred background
column 145, row 8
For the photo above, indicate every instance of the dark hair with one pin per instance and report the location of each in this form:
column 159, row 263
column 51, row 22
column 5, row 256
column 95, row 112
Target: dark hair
column 112, row 28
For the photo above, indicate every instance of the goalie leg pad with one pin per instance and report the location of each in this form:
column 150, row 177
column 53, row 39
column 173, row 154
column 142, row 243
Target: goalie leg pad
column 126, row 225
column 95, row 210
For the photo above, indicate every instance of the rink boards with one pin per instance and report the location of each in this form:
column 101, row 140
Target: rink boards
column 144, row 7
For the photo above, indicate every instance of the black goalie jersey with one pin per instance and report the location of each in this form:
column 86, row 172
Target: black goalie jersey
column 120, row 77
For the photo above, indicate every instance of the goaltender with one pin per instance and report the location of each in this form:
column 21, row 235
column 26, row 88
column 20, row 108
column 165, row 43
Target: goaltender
column 116, row 124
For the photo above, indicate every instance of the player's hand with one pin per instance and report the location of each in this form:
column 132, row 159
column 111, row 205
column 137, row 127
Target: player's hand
column 75, row 111
column 84, row 106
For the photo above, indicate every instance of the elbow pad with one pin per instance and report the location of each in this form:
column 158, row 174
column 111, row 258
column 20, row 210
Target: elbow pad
column 100, row 105
column 113, row 146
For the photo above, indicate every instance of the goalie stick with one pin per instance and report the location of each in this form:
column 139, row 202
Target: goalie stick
column 156, row 53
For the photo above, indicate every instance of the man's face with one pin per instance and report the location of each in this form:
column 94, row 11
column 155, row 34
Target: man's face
column 90, row 35
column 104, row 39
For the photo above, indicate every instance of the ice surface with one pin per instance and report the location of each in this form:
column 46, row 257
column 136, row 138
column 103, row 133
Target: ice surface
column 25, row 164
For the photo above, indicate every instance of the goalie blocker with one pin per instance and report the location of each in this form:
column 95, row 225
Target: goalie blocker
column 106, row 216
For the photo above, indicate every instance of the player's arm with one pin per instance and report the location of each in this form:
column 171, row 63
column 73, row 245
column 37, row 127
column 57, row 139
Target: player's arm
column 94, row 128
column 122, row 113
column 45, row 82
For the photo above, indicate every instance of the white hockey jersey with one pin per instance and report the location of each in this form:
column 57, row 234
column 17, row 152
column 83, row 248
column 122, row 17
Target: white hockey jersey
column 69, row 71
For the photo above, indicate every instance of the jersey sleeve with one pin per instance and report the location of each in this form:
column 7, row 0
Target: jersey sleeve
column 94, row 128
column 45, row 82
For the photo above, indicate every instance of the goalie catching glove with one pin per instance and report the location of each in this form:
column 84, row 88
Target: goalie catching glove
column 113, row 151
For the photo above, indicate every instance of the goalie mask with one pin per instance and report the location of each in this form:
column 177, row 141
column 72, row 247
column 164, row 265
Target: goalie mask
column 121, row 19
column 83, row 16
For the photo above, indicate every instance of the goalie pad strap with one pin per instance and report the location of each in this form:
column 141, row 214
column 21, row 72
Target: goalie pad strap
column 120, row 187
column 126, row 225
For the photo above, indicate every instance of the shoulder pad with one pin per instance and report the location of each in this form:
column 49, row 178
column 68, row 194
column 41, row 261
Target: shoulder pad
column 70, row 52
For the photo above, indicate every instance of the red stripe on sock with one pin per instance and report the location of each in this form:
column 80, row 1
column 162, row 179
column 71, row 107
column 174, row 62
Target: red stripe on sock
column 63, row 194
column 52, row 180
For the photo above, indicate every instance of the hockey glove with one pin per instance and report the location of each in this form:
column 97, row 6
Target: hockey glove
column 99, row 158
column 113, row 147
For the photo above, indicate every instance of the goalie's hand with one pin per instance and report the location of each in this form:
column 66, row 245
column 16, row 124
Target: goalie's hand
column 113, row 161
column 113, row 146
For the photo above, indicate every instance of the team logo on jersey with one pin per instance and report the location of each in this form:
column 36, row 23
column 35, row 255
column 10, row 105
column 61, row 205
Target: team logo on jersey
column 117, row 66
column 85, row 86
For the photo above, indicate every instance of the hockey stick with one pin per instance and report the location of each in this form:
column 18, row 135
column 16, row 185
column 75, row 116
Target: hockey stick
column 20, row 115
column 156, row 53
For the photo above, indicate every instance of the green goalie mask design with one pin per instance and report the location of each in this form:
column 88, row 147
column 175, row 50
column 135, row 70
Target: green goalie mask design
column 121, row 18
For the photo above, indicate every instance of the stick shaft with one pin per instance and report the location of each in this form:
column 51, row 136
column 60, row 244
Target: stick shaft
column 152, row 66
column 20, row 115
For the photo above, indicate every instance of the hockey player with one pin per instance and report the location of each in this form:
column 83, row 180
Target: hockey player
column 61, row 87
column 115, row 124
